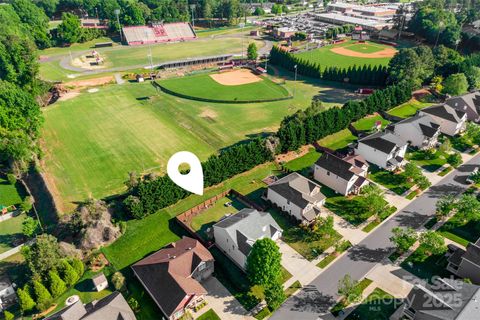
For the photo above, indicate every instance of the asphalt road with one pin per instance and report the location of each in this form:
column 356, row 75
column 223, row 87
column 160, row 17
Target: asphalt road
column 317, row 297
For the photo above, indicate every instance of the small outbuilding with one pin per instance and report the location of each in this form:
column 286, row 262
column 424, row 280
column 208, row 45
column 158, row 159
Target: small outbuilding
column 100, row 282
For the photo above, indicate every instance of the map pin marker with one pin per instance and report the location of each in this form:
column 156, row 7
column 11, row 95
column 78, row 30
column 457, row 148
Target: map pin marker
column 192, row 181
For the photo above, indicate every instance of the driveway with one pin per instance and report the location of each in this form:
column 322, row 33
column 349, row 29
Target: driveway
column 222, row 301
column 314, row 300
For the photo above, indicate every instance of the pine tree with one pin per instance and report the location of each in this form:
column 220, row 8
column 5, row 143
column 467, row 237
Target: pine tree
column 57, row 285
column 25, row 300
column 78, row 266
column 42, row 296
column 69, row 275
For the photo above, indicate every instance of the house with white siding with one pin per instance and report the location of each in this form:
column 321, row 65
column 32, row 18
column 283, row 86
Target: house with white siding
column 343, row 175
column 450, row 121
column 297, row 196
column 419, row 131
column 235, row 234
column 468, row 103
column 383, row 149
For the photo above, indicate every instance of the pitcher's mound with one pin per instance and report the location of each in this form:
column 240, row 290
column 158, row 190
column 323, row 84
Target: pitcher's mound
column 235, row 77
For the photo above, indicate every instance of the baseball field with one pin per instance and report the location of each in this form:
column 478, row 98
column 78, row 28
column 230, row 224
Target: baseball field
column 94, row 139
column 350, row 53
column 231, row 85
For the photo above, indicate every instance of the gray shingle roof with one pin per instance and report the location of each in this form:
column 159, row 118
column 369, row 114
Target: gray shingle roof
column 470, row 100
column 247, row 226
column 111, row 307
column 297, row 189
column 446, row 300
column 383, row 141
column 335, row 165
column 444, row 111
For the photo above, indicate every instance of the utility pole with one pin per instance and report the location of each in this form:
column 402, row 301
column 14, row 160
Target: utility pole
column 117, row 13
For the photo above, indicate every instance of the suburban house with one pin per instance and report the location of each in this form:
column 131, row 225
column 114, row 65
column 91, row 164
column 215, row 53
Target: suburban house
column 419, row 131
column 173, row 274
column 343, row 175
column 298, row 196
column 99, row 282
column 384, row 149
column 468, row 103
column 466, row 263
column 8, row 296
column 451, row 121
column 446, row 299
column 112, row 307
column 235, row 234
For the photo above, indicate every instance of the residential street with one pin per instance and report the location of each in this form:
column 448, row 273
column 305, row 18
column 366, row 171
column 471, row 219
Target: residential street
column 316, row 297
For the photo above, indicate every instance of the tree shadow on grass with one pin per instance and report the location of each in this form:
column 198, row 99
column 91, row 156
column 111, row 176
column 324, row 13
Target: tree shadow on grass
column 352, row 210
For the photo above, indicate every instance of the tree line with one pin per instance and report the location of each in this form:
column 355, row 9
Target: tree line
column 147, row 195
column 365, row 75
column 310, row 125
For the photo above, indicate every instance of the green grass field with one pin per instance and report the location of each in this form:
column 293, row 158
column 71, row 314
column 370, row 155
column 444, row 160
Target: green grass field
column 205, row 87
column 338, row 140
column 367, row 123
column 409, row 108
column 131, row 127
column 11, row 231
column 327, row 58
column 10, row 194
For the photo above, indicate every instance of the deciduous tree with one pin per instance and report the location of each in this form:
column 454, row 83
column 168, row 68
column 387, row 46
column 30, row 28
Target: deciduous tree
column 403, row 238
column 264, row 262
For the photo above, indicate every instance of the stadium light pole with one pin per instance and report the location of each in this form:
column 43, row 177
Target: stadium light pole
column 192, row 7
column 242, row 25
column 117, row 13
column 295, row 81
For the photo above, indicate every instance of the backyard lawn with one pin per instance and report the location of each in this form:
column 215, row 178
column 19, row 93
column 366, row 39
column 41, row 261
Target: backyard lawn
column 338, row 140
column 427, row 160
column 426, row 267
column 303, row 162
column 200, row 223
column 10, row 194
column 11, row 232
column 209, row 315
column 367, row 123
column 297, row 238
column 397, row 182
column 410, row 108
column 379, row 305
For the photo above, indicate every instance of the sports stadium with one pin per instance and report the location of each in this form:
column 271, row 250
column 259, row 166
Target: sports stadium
column 158, row 33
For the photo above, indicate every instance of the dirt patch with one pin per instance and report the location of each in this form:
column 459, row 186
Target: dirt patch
column 208, row 113
column 292, row 155
column 89, row 82
column 236, row 77
column 68, row 95
column 385, row 53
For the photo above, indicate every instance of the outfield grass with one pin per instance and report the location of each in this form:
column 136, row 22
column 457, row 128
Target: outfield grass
column 367, row 123
column 203, row 86
column 327, row 58
column 118, row 130
column 338, row 140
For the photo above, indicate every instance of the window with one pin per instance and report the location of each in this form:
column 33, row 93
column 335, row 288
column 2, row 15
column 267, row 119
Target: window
column 202, row 266
column 288, row 201
column 328, row 173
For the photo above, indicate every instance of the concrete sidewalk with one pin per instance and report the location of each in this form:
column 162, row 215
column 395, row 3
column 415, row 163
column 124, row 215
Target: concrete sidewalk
column 300, row 268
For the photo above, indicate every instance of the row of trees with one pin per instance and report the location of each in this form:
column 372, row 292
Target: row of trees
column 334, row 31
column 431, row 242
column 136, row 12
column 50, row 274
column 149, row 195
column 366, row 74
column 312, row 124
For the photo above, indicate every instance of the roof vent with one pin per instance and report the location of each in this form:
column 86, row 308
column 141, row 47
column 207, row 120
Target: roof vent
column 189, row 248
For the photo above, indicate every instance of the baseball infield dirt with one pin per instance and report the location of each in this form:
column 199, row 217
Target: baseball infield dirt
column 385, row 53
column 235, row 77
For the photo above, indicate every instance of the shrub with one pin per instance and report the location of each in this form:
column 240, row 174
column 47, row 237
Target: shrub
column 118, row 281
column 8, row 315
column 455, row 159
column 78, row 266
column 68, row 274
column 133, row 303
column 11, row 179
